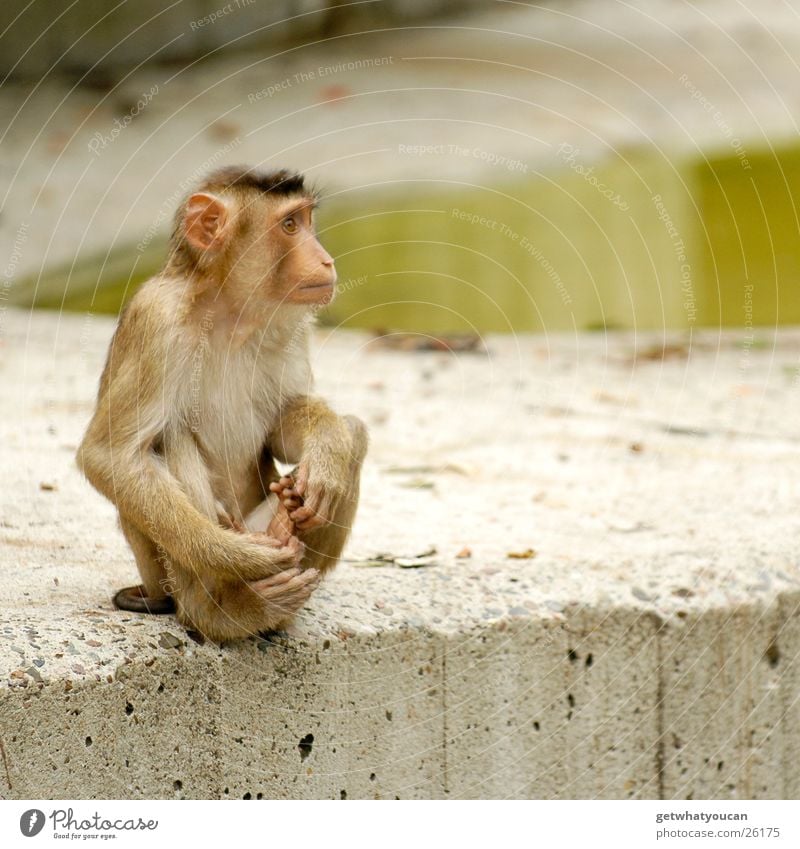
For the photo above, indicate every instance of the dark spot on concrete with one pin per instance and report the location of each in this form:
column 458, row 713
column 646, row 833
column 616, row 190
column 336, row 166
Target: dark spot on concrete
column 589, row 660
column 88, row 741
column 720, row 765
column 129, row 708
column 326, row 644
column 773, row 654
column 389, row 715
column 305, row 746
column 177, row 784
column 259, row 795
column 247, row 796
column 372, row 776
column 572, row 655
column 571, row 699
column 160, row 688
column 342, row 794
column 536, row 726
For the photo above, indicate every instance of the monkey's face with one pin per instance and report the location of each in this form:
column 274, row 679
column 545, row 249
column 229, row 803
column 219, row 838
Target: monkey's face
column 303, row 271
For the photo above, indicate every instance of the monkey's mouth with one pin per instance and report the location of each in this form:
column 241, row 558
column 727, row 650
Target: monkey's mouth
column 327, row 285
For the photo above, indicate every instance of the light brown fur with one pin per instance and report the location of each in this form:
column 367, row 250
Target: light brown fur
column 207, row 383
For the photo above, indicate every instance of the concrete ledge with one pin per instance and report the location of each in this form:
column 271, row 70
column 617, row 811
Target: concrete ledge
column 648, row 649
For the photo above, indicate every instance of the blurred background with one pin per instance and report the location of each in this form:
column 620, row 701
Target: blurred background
column 568, row 165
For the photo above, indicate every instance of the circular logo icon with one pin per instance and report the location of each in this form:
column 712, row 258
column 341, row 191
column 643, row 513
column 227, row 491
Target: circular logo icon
column 31, row 822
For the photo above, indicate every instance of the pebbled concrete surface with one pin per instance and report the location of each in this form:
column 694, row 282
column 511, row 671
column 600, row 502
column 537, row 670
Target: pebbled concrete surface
column 647, row 647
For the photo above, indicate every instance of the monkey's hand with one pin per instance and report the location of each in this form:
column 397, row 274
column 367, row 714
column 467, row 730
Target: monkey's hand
column 330, row 449
column 284, row 594
column 287, row 554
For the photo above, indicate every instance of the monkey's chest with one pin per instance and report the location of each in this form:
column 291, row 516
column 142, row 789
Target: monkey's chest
column 232, row 425
column 232, row 410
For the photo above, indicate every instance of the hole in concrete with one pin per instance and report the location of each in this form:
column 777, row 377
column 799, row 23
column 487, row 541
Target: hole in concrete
column 372, row 776
column 160, row 688
column 389, row 715
column 720, row 765
column 773, row 654
column 572, row 655
column 129, row 708
column 259, row 795
column 571, row 699
column 589, row 660
column 226, row 791
column 177, row 785
column 535, row 726
column 342, row 794
column 326, row 644
column 247, row 796
column 88, row 741
column 305, row 746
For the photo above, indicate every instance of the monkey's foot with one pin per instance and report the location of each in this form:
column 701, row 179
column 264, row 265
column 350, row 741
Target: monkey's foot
column 285, row 593
column 288, row 492
column 281, row 527
column 136, row 600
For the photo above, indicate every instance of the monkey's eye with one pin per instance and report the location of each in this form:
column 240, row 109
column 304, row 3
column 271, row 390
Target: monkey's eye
column 290, row 225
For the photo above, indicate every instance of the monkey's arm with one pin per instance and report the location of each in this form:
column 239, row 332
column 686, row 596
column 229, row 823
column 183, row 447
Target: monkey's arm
column 119, row 456
column 329, row 449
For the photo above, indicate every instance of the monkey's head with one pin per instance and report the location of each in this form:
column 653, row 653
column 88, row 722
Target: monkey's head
column 255, row 231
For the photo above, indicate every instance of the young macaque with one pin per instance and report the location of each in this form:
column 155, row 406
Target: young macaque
column 206, row 386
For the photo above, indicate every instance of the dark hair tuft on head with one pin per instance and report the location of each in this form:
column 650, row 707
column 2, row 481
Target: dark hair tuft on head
column 281, row 182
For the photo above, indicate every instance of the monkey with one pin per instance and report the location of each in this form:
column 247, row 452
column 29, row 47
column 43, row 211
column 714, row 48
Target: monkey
column 206, row 386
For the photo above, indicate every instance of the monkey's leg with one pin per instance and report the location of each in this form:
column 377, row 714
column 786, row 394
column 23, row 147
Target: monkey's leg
column 152, row 595
column 324, row 544
column 229, row 610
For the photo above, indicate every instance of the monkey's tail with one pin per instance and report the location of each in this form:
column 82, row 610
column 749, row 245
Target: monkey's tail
column 135, row 599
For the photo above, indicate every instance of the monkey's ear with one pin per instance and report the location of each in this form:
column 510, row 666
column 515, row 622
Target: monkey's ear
column 204, row 220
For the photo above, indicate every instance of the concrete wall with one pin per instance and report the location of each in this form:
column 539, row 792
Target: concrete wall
column 645, row 645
